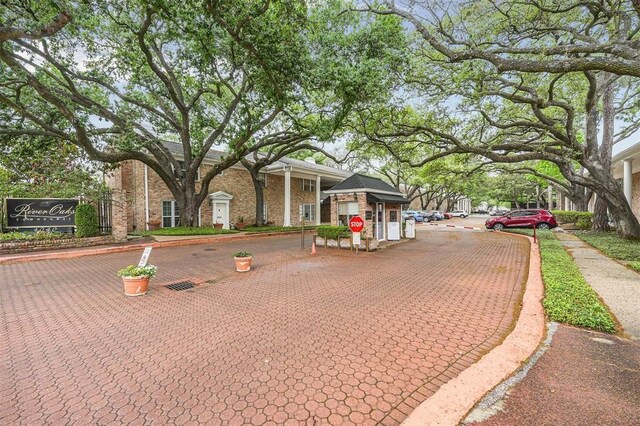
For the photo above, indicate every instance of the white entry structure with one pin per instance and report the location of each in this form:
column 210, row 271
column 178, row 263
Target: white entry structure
column 220, row 208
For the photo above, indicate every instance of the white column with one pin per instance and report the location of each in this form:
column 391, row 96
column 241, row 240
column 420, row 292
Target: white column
column 550, row 197
column 287, row 197
column 318, row 209
column 627, row 178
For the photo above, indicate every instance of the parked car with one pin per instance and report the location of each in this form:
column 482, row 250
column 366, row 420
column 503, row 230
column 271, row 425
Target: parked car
column 499, row 212
column 447, row 215
column 459, row 213
column 408, row 214
column 541, row 219
column 437, row 215
column 428, row 217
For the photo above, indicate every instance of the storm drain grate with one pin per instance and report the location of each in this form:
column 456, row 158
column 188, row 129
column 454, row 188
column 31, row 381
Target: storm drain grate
column 182, row 285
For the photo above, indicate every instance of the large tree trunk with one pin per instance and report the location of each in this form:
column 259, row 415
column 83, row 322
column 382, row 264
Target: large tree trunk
column 188, row 206
column 600, row 216
column 611, row 192
column 259, row 190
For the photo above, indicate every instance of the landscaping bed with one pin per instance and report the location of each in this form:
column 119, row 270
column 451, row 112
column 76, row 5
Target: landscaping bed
column 54, row 242
column 184, row 231
column 265, row 229
column 613, row 245
column 568, row 297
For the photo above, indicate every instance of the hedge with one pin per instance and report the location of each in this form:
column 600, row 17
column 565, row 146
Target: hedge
column 583, row 220
column 333, row 232
column 86, row 221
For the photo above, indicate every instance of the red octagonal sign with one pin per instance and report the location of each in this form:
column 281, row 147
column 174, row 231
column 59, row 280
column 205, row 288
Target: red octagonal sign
column 356, row 224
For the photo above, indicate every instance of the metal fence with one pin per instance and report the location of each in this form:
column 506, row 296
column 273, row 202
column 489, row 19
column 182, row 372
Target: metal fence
column 103, row 207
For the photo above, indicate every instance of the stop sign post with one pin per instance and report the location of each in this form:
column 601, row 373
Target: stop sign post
column 356, row 224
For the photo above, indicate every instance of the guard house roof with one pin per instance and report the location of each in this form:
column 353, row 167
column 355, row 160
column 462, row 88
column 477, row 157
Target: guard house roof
column 376, row 189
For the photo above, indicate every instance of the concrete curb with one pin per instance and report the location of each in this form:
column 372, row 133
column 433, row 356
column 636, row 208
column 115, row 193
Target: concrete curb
column 456, row 226
column 451, row 403
column 20, row 258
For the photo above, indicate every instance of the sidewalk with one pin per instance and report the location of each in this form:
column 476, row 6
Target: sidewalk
column 617, row 285
column 582, row 377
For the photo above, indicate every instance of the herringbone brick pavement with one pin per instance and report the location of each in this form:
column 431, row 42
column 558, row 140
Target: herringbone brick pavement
column 331, row 339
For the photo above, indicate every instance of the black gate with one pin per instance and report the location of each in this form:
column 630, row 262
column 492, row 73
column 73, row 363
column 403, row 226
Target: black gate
column 104, row 213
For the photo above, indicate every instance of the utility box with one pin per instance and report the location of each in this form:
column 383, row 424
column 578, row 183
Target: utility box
column 410, row 228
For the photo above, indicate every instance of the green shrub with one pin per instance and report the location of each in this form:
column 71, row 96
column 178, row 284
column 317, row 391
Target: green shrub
column 635, row 266
column 584, row 223
column 86, row 221
column 33, row 236
column 333, row 232
column 581, row 219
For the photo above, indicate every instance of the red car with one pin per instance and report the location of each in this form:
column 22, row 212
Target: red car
column 541, row 219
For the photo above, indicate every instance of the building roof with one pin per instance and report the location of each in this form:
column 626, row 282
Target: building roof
column 374, row 197
column 215, row 155
column 632, row 153
column 176, row 148
column 286, row 161
column 362, row 183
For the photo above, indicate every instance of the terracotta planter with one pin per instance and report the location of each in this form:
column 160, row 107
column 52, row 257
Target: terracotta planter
column 240, row 226
column 243, row 264
column 135, row 286
column 153, row 225
column 218, row 225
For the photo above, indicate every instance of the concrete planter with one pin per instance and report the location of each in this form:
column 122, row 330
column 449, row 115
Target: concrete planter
column 345, row 243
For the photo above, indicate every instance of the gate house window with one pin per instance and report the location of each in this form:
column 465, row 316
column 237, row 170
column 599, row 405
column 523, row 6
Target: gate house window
column 309, row 212
column 170, row 214
column 308, row 185
column 346, row 211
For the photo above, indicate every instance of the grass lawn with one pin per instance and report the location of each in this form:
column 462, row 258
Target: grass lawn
column 613, row 246
column 260, row 229
column 567, row 296
column 179, row 231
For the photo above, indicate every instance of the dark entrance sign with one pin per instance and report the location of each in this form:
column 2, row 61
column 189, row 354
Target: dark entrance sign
column 28, row 214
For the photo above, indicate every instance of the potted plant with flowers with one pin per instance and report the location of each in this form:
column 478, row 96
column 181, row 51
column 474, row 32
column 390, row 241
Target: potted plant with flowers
column 240, row 224
column 243, row 261
column 136, row 279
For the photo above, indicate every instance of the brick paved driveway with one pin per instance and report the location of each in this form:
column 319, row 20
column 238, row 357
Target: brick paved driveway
column 299, row 339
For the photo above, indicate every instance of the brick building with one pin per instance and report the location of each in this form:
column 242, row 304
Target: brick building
column 292, row 189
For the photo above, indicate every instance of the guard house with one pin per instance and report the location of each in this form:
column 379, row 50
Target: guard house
column 377, row 202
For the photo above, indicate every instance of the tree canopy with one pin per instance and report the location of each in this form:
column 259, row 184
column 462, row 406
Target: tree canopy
column 128, row 76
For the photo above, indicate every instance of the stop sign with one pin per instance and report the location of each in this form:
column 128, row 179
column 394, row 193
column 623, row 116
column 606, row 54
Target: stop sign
column 356, row 224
